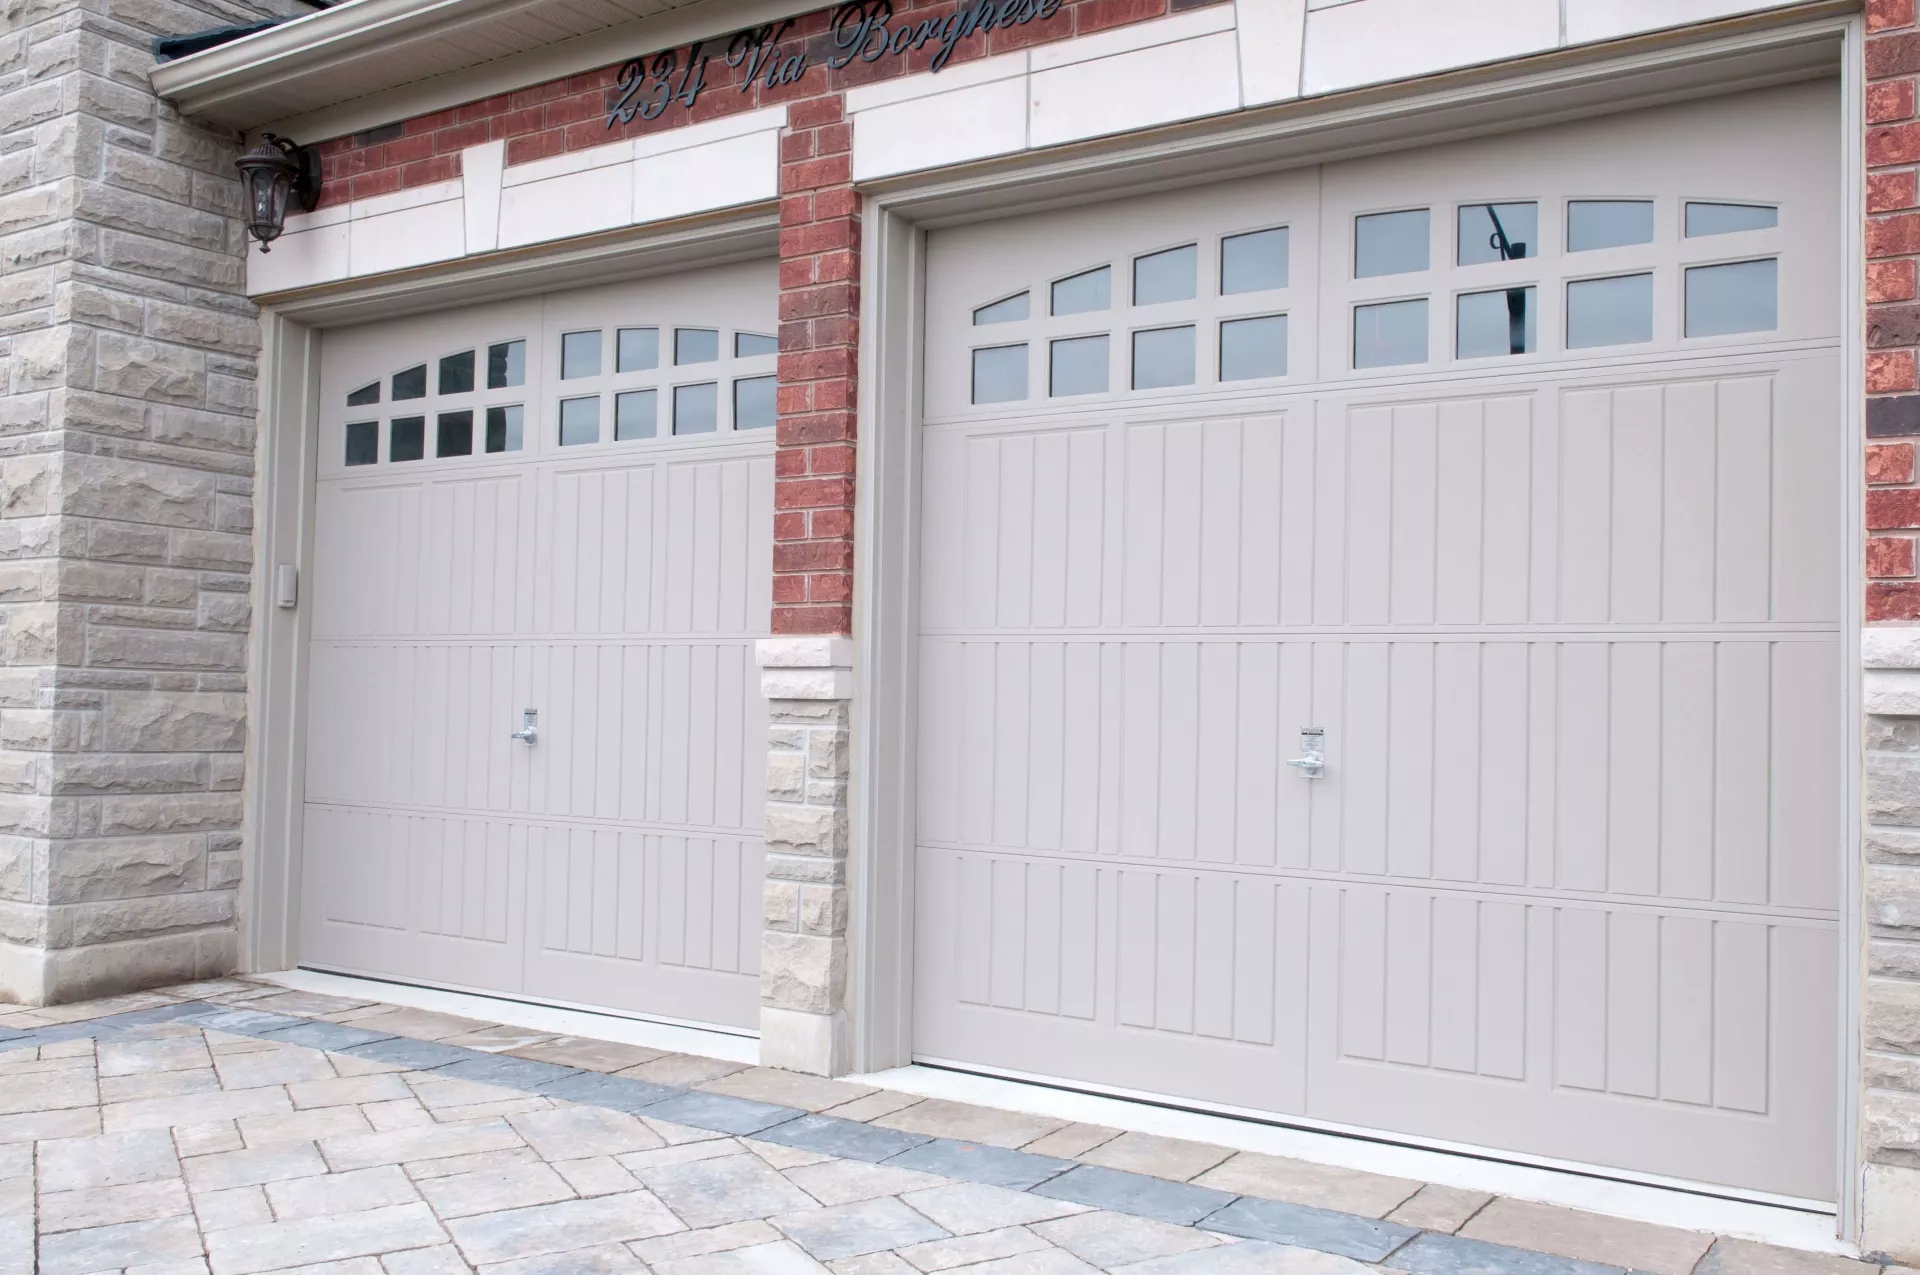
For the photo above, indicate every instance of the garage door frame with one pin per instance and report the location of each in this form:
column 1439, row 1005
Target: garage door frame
column 285, row 472
column 1725, row 57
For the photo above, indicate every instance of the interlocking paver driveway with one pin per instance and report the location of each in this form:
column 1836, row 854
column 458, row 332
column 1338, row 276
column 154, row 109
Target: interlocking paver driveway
column 236, row 1127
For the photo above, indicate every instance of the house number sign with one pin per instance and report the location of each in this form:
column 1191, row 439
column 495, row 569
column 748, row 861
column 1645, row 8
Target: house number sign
column 861, row 29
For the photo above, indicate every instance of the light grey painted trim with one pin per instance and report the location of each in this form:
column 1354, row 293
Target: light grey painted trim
column 245, row 84
column 886, row 619
column 1672, row 67
column 276, row 720
column 292, row 327
column 1853, row 318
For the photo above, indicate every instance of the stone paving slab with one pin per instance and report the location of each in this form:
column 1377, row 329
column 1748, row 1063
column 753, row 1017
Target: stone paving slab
column 239, row 1129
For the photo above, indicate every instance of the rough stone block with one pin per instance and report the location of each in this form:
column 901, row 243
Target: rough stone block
column 123, row 867
column 107, row 921
column 780, row 902
column 172, row 812
column 1893, row 897
column 803, row 972
column 99, row 413
column 128, row 773
column 1892, row 1121
column 75, row 301
column 1890, row 1212
column 213, row 550
column 148, row 175
column 814, row 830
column 785, row 776
column 823, row 909
column 1893, row 788
column 139, row 368
column 150, row 648
column 1892, row 1012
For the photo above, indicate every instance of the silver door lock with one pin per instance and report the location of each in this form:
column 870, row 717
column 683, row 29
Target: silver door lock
column 529, row 731
column 1313, row 742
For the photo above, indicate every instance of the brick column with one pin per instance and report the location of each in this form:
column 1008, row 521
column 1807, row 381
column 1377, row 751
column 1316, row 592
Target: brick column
column 1890, row 1104
column 807, row 666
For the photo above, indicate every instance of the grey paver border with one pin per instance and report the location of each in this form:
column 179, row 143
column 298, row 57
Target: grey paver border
column 1140, row 1195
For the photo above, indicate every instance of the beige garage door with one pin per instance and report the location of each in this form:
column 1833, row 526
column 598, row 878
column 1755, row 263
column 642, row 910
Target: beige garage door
column 560, row 505
column 1513, row 467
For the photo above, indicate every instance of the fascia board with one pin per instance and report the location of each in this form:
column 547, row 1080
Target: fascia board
column 233, row 84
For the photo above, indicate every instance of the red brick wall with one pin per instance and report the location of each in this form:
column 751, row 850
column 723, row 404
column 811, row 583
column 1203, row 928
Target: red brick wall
column 1893, row 311
column 819, row 244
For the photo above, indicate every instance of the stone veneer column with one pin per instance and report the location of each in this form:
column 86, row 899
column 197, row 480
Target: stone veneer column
column 1890, row 1110
column 807, row 666
column 808, row 682
column 127, row 367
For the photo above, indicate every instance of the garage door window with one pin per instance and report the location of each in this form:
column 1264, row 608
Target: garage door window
column 445, row 407
column 665, row 381
column 1593, row 224
column 1187, row 332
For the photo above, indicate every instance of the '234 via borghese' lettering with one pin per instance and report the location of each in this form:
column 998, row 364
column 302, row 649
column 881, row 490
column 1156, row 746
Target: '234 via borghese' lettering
column 862, row 30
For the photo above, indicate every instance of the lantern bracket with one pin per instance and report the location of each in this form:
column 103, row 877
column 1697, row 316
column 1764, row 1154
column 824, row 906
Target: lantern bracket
column 306, row 179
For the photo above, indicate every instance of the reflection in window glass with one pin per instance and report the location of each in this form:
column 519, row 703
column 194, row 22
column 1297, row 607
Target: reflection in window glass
column 696, row 408
column 1253, row 347
column 1166, row 276
column 1741, row 297
column 455, row 434
column 411, row 383
column 753, row 402
column 1390, row 335
column 695, row 345
column 1084, row 292
column 1253, row 262
column 752, row 345
column 1727, row 219
column 1011, row 310
column 1490, row 323
column 1481, row 226
column 579, row 355
column 506, row 364
column 364, row 395
column 579, row 421
column 1608, row 223
column 363, row 442
column 407, row 437
column 456, row 373
column 503, row 428
column 636, row 414
column 636, row 350
column 1610, row 311
column 1000, row 374
column 1162, row 357
column 1079, row 366
column 1390, row 243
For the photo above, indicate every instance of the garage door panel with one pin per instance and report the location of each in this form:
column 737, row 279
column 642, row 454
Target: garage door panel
column 1567, row 615
column 385, row 890
column 474, row 561
column 1693, row 1031
column 653, row 921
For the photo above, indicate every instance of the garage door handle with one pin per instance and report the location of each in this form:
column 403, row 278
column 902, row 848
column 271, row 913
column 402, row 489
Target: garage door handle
column 1313, row 742
column 529, row 731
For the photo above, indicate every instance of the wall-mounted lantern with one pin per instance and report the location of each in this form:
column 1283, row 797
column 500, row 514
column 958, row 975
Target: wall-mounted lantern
column 273, row 171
